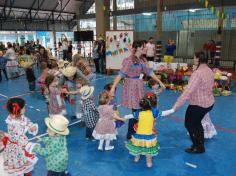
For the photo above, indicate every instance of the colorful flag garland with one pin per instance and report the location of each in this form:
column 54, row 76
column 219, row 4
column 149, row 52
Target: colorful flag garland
column 218, row 13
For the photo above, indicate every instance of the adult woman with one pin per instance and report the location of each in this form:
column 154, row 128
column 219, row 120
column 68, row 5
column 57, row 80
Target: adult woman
column 96, row 56
column 132, row 70
column 201, row 101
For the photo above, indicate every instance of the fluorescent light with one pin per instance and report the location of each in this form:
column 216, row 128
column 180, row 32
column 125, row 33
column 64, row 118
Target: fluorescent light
column 193, row 10
column 147, row 14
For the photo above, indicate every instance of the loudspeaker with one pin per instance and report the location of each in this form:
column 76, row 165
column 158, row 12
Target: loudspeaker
column 83, row 36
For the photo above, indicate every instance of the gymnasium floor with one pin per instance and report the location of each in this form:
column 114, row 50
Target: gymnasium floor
column 85, row 160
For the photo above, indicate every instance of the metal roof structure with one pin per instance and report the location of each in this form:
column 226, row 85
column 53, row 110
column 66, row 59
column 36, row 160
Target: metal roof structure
column 41, row 14
column 61, row 15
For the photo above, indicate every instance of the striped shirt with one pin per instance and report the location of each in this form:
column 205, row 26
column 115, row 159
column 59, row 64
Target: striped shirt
column 199, row 88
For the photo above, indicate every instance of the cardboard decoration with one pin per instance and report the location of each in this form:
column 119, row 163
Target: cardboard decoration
column 117, row 49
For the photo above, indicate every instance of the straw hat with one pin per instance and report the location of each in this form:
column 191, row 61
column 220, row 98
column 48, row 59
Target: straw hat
column 61, row 63
column 69, row 71
column 28, row 64
column 86, row 92
column 58, row 124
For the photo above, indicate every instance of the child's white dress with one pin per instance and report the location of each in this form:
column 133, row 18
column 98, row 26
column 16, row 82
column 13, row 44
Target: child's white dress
column 209, row 128
column 17, row 161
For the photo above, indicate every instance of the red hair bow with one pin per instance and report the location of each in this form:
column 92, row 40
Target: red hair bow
column 150, row 94
column 15, row 109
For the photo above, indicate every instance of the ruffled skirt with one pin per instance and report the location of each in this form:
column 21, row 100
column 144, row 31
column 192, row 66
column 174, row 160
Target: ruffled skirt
column 143, row 145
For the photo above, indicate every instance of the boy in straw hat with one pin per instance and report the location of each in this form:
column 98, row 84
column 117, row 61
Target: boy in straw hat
column 55, row 150
column 89, row 110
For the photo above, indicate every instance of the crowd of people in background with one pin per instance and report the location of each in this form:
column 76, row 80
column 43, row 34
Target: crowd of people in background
column 69, row 79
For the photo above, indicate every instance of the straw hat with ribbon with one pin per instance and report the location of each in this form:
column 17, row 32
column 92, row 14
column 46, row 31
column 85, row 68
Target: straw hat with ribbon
column 58, row 124
column 86, row 92
column 69, row 71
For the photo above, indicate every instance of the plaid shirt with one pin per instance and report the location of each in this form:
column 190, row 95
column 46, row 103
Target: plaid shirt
column 199, row 88
column 90, row 113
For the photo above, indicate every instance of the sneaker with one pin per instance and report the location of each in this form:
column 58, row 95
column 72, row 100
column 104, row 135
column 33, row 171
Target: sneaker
column 100, row 148
column 136, row 159
column 109, row 148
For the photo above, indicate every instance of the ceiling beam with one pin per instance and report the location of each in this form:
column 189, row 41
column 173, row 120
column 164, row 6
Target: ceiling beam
column 29, row 13
column 35, row 9
column 11, row 5
column 63, row 9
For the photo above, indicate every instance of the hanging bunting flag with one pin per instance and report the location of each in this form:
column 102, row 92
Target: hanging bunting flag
column 124, row 40
column 126, row 50
column 206, row 3
column 213, row 9
column 113, row 53
column 120, row 51
column 116, row 52
column 121, row 35
column 108, row 53
column 219, row 14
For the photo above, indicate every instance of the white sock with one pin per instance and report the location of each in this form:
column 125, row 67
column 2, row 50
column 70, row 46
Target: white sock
column 101, row 141
column 108, row 143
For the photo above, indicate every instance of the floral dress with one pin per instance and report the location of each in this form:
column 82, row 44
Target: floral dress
column 56, row 102
column 105, row 127
column 133, row 89
column 16, row 160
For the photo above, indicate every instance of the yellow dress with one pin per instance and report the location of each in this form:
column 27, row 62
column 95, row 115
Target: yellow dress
column 144, row 142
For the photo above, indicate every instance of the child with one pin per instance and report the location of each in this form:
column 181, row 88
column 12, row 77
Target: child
column 156, row 88
column 2, row 136
column 3, row 63
column 42, row 77
column 105, row 128
column 74, row 99
column 55, row 150
column 56, row 102
column 89, row 110
column 209, row 128
column 144, row 142
column 113, row 102
column 16, row 160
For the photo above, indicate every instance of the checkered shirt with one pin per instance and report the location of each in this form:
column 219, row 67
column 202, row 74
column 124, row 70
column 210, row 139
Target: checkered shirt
column 199, row 88
column 90, row 113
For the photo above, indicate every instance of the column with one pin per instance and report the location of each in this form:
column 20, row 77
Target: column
column 159, row 30
column 54, row 40
column 219, row 38
column 114, row 17
column 102, row 16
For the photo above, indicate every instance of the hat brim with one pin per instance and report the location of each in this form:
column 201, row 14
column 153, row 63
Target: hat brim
column 47, row 122
column 90, row 93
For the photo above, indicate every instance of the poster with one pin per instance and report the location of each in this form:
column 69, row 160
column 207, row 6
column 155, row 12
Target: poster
column 118, row 44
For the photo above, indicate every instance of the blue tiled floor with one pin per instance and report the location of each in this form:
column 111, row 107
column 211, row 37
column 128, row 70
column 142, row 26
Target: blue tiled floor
column 85, row 160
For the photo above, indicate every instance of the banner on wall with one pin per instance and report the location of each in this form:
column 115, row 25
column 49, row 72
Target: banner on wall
column 118, row 44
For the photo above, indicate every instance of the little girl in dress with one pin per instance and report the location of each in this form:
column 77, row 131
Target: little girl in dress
column 105, row 127
column 56, row 102
column 2, row 171
column 17, row 161
column 144, row 141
